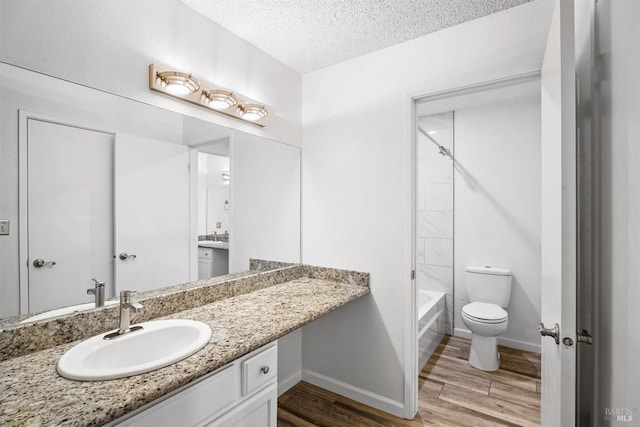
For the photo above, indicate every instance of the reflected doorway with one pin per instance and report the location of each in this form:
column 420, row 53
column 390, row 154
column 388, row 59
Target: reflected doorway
column 214, row 209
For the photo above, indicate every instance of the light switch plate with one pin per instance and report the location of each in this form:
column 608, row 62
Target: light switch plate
column 218, row 225
column 4, row 227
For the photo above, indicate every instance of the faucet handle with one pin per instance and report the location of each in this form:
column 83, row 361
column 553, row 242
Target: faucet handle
column 98, row 283
column 125, row 296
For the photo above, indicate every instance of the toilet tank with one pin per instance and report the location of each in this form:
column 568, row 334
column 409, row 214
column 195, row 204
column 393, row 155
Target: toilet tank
column 488, row 284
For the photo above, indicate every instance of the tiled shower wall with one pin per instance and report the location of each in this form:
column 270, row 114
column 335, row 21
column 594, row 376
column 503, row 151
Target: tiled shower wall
column 434, row 230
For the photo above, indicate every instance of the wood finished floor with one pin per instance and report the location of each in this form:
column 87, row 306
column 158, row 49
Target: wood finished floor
column 451, row 393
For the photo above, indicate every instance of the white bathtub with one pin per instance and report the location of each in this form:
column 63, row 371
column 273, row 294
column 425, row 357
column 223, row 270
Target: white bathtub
column 431, row 323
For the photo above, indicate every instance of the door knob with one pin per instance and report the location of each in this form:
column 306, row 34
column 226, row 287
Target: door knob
column 550, row 332
column 123, row 256
column 38, row 263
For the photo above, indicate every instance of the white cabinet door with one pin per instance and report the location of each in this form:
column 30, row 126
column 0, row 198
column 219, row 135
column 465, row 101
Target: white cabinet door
column 259, row 411
column 194, row 404
column 151, row 213
column 70, row 215
column 205, row 263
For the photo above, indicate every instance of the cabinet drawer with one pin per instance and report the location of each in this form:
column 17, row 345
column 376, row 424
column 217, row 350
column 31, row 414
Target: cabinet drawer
column 259, row 369
column 205, row 253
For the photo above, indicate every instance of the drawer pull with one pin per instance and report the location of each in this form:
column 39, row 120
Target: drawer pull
column 265, row 369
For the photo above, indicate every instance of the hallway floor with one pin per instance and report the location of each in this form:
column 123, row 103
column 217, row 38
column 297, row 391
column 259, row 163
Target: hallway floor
column 452, row 393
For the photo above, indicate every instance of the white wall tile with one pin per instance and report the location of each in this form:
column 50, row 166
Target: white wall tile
column 438, row 197
column 430, row 175
column 419, row 250
column 420, row 196
column 435, row 224
column 438, row 252
column 435, row 278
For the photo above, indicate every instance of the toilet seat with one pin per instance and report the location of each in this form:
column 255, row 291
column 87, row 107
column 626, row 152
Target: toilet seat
column 485, row 312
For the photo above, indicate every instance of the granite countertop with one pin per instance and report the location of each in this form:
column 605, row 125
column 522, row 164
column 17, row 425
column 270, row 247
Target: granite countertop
column 216, row 245
column 32, row 392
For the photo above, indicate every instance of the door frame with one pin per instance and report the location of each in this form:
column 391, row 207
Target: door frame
column 23, row 189
column 411, row 147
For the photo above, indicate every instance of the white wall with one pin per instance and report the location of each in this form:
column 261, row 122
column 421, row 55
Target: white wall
column 497, row 207
column 356, row 179
column 618, row 340
column 109, row 45
column 265, row 201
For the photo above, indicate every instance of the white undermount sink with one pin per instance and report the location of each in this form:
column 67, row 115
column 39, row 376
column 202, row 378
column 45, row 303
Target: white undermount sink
column 211, row 242
column 158, row 344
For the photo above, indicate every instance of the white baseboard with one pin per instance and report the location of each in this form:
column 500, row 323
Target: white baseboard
column 506, row 342
column 287, row 383
column 355, row 393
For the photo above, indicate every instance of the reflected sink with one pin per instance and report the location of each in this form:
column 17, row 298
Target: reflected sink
column 66, row 310
column 158, row 344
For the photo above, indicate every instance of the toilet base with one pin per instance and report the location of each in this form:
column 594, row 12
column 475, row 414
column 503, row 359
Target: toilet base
column 484, row 353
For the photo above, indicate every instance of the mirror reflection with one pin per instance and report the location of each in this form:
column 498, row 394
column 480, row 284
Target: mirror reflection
column 214, row 207
column 113, row 194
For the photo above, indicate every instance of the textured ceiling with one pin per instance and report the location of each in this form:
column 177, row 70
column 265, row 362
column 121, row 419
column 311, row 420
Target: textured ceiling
column 308, row 35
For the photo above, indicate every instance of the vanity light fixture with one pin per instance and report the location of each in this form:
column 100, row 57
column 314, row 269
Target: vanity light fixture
column 219, row 99
column 177, row 83
column 210, row 96
column 252, row 112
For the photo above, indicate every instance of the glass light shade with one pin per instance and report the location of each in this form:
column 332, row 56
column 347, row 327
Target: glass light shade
column 177, row 89
column 180, row 84
column 252, row 112
column 220, row 99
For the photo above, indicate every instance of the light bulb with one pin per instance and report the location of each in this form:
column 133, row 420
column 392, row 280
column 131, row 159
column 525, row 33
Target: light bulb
column 219, row 105
column 251, row 116
column 177, row 89
column 252, row 112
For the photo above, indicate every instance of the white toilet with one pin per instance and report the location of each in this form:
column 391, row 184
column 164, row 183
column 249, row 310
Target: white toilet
column 488, row 290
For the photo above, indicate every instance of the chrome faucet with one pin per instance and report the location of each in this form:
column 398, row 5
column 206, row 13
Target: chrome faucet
column 125, row 306
column 97, row 292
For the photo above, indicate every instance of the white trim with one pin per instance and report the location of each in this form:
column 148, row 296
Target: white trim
column 410, row 294
column 505, row 342
column 355, row 393
column 476, row 87
column 193, row 214
column 285, row 384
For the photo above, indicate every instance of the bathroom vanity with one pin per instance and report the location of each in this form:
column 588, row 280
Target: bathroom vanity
column 242, row 393
column 246, row 313
column 213, row 259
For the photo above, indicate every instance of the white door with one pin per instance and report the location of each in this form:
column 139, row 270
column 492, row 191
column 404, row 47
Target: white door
column 70, row 219
column 559, row 218
column 151, row 213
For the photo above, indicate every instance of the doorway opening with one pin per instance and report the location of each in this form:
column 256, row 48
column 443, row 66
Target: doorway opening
column 477, row 174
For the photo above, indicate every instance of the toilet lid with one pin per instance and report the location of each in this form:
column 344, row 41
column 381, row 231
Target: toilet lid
column 488, row 313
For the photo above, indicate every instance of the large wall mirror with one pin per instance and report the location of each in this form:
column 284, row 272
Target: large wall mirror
column 103, row 188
